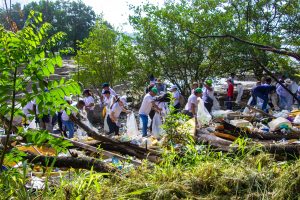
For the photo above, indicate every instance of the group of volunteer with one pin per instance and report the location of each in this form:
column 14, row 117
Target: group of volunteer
column 113, row 104
column 157, row 100
column 267, row 96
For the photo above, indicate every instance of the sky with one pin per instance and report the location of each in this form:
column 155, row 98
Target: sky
column 116, row 12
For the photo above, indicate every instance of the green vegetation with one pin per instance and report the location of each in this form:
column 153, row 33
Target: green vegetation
column 181, row 42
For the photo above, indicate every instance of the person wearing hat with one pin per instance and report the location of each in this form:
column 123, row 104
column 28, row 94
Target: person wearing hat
column 285, row 98
column 114, row 115
column 176, row 96
column 208, row 95
column 106, row 87
column 262, row 92
column 147, row 104
column 230, row 89
column 194, row 86
column 191, row 107
column 161, row 88
column 89, row 104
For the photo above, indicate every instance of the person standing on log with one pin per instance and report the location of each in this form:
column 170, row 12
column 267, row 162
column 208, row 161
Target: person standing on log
column 114, row 114
column 230, row 89
column 147, row 104
column 262, row 92
column 191, row 107
column 208, row 95
column 89, row 105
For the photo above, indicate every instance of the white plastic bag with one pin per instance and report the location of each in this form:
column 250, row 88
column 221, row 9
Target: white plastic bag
column 156, row 126
column 132, row 128
column 216, row 104
column 106, row 127
column 203, row 116
column 32, row 124
column 297, row 119
column 240, row 90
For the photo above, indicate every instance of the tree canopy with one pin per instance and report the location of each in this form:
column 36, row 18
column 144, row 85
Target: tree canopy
column 71, row 17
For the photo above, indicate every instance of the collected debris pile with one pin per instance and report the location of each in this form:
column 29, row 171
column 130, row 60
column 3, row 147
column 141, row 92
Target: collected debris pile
column 277, row 133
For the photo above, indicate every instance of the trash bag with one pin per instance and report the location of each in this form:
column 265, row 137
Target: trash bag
column 156, row 126
column 297, row 119
column 32, row 124
column 216, row 104
column 132, row 128
column 203, row 116
column 240, row 90
column 247, row 110
column 106, row 127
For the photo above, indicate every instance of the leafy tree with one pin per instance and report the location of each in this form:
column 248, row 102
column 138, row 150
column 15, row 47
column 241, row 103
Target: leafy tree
column 191, row 40
column 26, row 65
column 71, row 17
column 105, row 56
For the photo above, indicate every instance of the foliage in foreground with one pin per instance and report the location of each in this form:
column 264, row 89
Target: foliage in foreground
column 210, row 175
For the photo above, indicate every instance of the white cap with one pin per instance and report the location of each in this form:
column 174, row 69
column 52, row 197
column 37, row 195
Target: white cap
column 124, row 100
column 172, row 87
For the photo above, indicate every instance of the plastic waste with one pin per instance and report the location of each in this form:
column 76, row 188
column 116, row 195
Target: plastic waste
column 240, row 90
column 156, row 126
column 32, row 124
column 279, row 122
column 220, row 113
column 297, row 119
column 132, row 128
column 106, row 127
column 247, row 110
column 203, row 116
column 283, row 113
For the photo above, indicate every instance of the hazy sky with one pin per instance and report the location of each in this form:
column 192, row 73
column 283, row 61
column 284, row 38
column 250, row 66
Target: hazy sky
column 114, row 11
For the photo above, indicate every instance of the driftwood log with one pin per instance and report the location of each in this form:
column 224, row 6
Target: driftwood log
column 71, row 162
column 122, row 147
column 95, row 150
column 224, row 145
column 236, row 131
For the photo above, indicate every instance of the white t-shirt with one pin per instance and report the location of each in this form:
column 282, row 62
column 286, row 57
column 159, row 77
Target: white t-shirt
column 208, row 92
column 191, row 100
column 117, row 109
column 146, row 105
column 109, row 101
column 176, row 96
column 88, row 100
column 27, row 108
column 65, row 116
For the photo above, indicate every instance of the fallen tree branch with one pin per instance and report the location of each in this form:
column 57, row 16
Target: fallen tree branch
column 95, row 150
column 125, row 148
column 70, row 162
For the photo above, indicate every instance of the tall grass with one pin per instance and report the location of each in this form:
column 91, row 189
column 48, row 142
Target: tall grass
column 210, row 176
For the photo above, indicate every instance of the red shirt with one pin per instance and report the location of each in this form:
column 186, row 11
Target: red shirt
column 230, row 90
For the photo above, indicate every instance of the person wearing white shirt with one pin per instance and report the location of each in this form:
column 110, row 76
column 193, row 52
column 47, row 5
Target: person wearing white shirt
column 191, row 107
column 176, row 96
column 69, row 125
column 147, row 104
column 89, row 104
column 106, row 87
column 114, row 114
